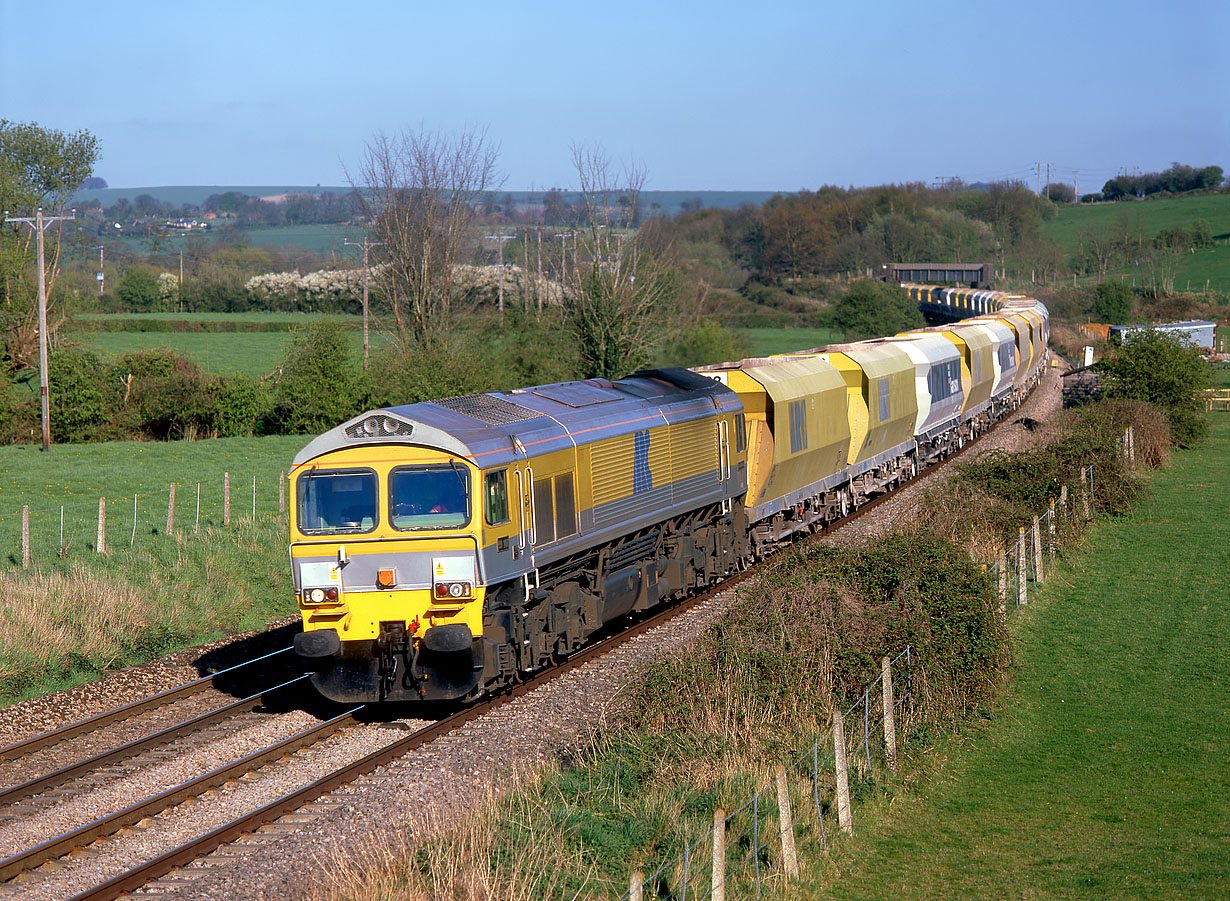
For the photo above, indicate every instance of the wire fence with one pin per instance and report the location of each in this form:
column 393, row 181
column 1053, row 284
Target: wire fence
column 808, row 803
column 811, row 801
column 183, row 508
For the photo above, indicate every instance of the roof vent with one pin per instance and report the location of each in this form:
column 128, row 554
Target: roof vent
column 488, row 408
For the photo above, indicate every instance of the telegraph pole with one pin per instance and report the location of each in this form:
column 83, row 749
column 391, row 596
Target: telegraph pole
column 101, row 277
column 500, row 239
column 366, row 245
column 39, row 223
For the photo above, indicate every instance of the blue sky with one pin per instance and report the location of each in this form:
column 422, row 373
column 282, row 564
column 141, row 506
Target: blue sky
column 756, row 95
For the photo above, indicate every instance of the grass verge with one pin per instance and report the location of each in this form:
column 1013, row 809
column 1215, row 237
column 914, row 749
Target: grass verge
column 1105, row 775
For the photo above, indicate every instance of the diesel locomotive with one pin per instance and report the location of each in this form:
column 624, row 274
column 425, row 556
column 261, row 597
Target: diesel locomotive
column 443, row 550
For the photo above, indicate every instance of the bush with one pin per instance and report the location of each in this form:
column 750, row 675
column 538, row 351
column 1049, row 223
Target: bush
column 872, row 309
column 706, row 342
column 80, row 398
column 318, row 388
column 394, row 379
column 1114, row 302
column 1163, row 369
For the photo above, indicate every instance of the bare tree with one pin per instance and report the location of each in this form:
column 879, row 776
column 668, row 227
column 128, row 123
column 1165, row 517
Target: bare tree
column 615, row 282
column 420, row 190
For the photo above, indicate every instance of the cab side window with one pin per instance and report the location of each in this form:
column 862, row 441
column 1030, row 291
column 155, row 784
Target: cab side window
column 497, row 497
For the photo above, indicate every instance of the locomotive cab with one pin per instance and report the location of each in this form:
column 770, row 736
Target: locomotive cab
column 385, row 560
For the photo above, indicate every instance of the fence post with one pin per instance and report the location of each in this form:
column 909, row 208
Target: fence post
column 1084, row 494
column 1002, row 566
column 1039, row 576
column 890, row 726
column 171, row 510
column 785, row 817
column 1022, row 595
column 1132, row 444
column 844, row 819
column 196, row 525
column 1063, row 502
column 281, row 491
column 1050, row 532
column 100, row 543
column 717, row 885
column 635, row 881
column 25, row 535
column 253, row 498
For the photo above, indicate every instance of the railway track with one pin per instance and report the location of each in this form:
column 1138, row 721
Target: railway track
column 278, row 814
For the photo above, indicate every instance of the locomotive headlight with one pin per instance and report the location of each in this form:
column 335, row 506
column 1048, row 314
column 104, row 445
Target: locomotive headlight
column 316, row 595
column 320, row 595
column 454, row 590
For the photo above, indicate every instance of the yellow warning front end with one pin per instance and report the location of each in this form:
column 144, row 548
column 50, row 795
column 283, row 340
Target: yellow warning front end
column 385, row 558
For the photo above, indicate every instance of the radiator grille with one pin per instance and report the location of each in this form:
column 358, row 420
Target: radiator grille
column 488, row 408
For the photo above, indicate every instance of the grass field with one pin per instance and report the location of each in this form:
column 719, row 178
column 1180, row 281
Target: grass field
column 1105, row 775
column 766, row 341
column 1145, row 219
column 253, row 316
column 230, row 353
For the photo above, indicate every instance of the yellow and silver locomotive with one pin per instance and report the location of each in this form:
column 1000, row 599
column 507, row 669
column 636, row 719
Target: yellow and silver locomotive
column 442, row 549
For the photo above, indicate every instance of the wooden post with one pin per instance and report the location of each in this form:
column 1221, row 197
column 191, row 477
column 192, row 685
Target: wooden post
column 1050, row 533
column 1084, row 494
column 226, row 498
column 171, row 510
column 100, row 543
column 1063, row 502
column 25, row 535
column 1132, row 444
column 717, row 885
column 844, row 818
column 1022, row 595
column 1039, row 577
column 890, row 726
column 282, row 492
column 1002, row 566
column 635, row 882
column 790, row 858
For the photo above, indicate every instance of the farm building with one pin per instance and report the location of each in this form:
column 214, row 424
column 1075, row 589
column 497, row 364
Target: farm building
column 1198, row 332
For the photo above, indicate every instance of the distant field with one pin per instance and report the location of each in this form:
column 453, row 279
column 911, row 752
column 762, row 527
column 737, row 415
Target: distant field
column 317, row 238
column 229, row 353
column 256, row 316
column 1145, row 219
column 766, row 341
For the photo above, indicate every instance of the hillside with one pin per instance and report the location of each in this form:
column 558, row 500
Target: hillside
column 1136, row 223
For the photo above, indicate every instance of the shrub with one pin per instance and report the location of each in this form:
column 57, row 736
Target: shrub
column 80, row 400
column 872, row 309
column 1163, row 369
column 318, row 388
column 1113, row 302
column 706, row 342
column 139, row 290
column 394, row 379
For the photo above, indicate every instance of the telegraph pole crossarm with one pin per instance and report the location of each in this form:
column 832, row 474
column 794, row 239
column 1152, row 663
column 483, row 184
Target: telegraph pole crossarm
column 367, row 246
column 39, row 223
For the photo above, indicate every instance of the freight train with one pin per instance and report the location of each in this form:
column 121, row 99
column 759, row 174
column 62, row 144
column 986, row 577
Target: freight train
column 444, row 550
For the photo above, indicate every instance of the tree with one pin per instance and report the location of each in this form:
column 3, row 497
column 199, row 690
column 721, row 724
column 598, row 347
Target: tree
column 872, row 309
column 420, row 190
column 139, row 290
column 317, row 386
column 1114, row 302
column 1058, row 192
column 39, row 167
column 617, row 284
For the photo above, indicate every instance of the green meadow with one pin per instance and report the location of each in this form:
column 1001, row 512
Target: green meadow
column 1104, row 774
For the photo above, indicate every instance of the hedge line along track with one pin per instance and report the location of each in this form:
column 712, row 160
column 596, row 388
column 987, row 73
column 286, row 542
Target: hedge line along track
column 295, row 800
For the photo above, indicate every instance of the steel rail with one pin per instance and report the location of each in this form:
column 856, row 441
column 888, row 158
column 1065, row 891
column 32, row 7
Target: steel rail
column 107, row 717
column 108, row 825
column 204, row 844
column 140, row 745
